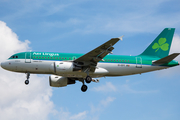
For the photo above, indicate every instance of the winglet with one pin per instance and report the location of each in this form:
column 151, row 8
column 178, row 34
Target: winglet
column 121, row 37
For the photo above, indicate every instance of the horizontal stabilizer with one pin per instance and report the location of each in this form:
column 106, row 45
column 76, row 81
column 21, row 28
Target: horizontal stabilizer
column 166, row 59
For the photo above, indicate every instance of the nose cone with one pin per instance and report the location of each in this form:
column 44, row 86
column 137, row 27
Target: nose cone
column 7, row 65
column 3, row 65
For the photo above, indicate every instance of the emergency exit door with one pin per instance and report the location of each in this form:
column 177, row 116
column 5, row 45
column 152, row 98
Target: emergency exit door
column 138, row 62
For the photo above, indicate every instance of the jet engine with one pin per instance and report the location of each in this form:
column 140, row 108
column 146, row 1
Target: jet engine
column 59, row 81
column 63, row 67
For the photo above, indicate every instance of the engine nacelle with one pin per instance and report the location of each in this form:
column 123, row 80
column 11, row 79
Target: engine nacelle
column 59, row 81
column 99, row 70
column 61, row 67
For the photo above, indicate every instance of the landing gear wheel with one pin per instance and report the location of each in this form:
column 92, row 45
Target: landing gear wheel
column 27, row 76
column 84, row 88
column 26, row 82
column 88, row 79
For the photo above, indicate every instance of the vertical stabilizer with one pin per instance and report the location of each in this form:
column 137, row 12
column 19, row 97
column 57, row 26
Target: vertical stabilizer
column 161, row 45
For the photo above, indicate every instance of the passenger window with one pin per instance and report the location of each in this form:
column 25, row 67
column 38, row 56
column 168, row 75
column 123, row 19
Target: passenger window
column 12, row 56
column 16, row 56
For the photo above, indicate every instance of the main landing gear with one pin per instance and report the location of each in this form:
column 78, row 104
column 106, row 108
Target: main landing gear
column 27, row 76
column 84, row 87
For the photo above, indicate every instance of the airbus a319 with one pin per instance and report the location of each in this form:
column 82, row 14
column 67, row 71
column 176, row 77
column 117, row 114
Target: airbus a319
column 67, row 68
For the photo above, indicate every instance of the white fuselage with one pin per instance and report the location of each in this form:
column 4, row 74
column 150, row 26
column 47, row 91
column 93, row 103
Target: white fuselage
column 102, row 69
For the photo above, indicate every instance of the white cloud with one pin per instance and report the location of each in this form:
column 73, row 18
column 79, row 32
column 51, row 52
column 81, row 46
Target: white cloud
column 18, row 101
column 108, row 87
column 107, row 101
column 175, row 47
column 9, row 42
column 79, row 116
column 59, row 24
column 64, row 114
column 124, row 88
column 56, row 8
column 96, row 110
column 144, row 17
column 133, row 20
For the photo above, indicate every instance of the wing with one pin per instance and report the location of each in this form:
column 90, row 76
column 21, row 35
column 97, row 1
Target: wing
column 91, row 59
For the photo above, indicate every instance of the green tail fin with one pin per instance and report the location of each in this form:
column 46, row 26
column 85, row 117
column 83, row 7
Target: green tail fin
column 161, row 45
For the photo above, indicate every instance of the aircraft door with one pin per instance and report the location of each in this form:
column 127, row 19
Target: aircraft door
column 138, row 62
column 28, row 57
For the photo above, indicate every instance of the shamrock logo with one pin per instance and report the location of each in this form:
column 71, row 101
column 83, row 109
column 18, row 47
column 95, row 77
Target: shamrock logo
column 161, row 44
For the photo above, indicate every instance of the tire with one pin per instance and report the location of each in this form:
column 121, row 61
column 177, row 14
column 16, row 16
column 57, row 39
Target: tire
column 84, row 88
column 26, row 82
column 88, row 79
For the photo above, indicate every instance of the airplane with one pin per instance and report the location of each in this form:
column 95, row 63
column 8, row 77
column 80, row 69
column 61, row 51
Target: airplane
column 67, row 68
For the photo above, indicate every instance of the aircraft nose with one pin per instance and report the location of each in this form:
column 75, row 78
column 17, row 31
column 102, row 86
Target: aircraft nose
column 3, row 65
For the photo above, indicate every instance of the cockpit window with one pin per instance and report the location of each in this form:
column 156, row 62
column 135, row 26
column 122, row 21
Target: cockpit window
column 14, row 56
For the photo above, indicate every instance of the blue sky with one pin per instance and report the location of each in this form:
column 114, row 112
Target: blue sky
column 78, row 27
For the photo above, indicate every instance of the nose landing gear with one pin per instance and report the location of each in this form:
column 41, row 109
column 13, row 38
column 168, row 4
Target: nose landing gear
column 27, row 76
column 26, row 82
